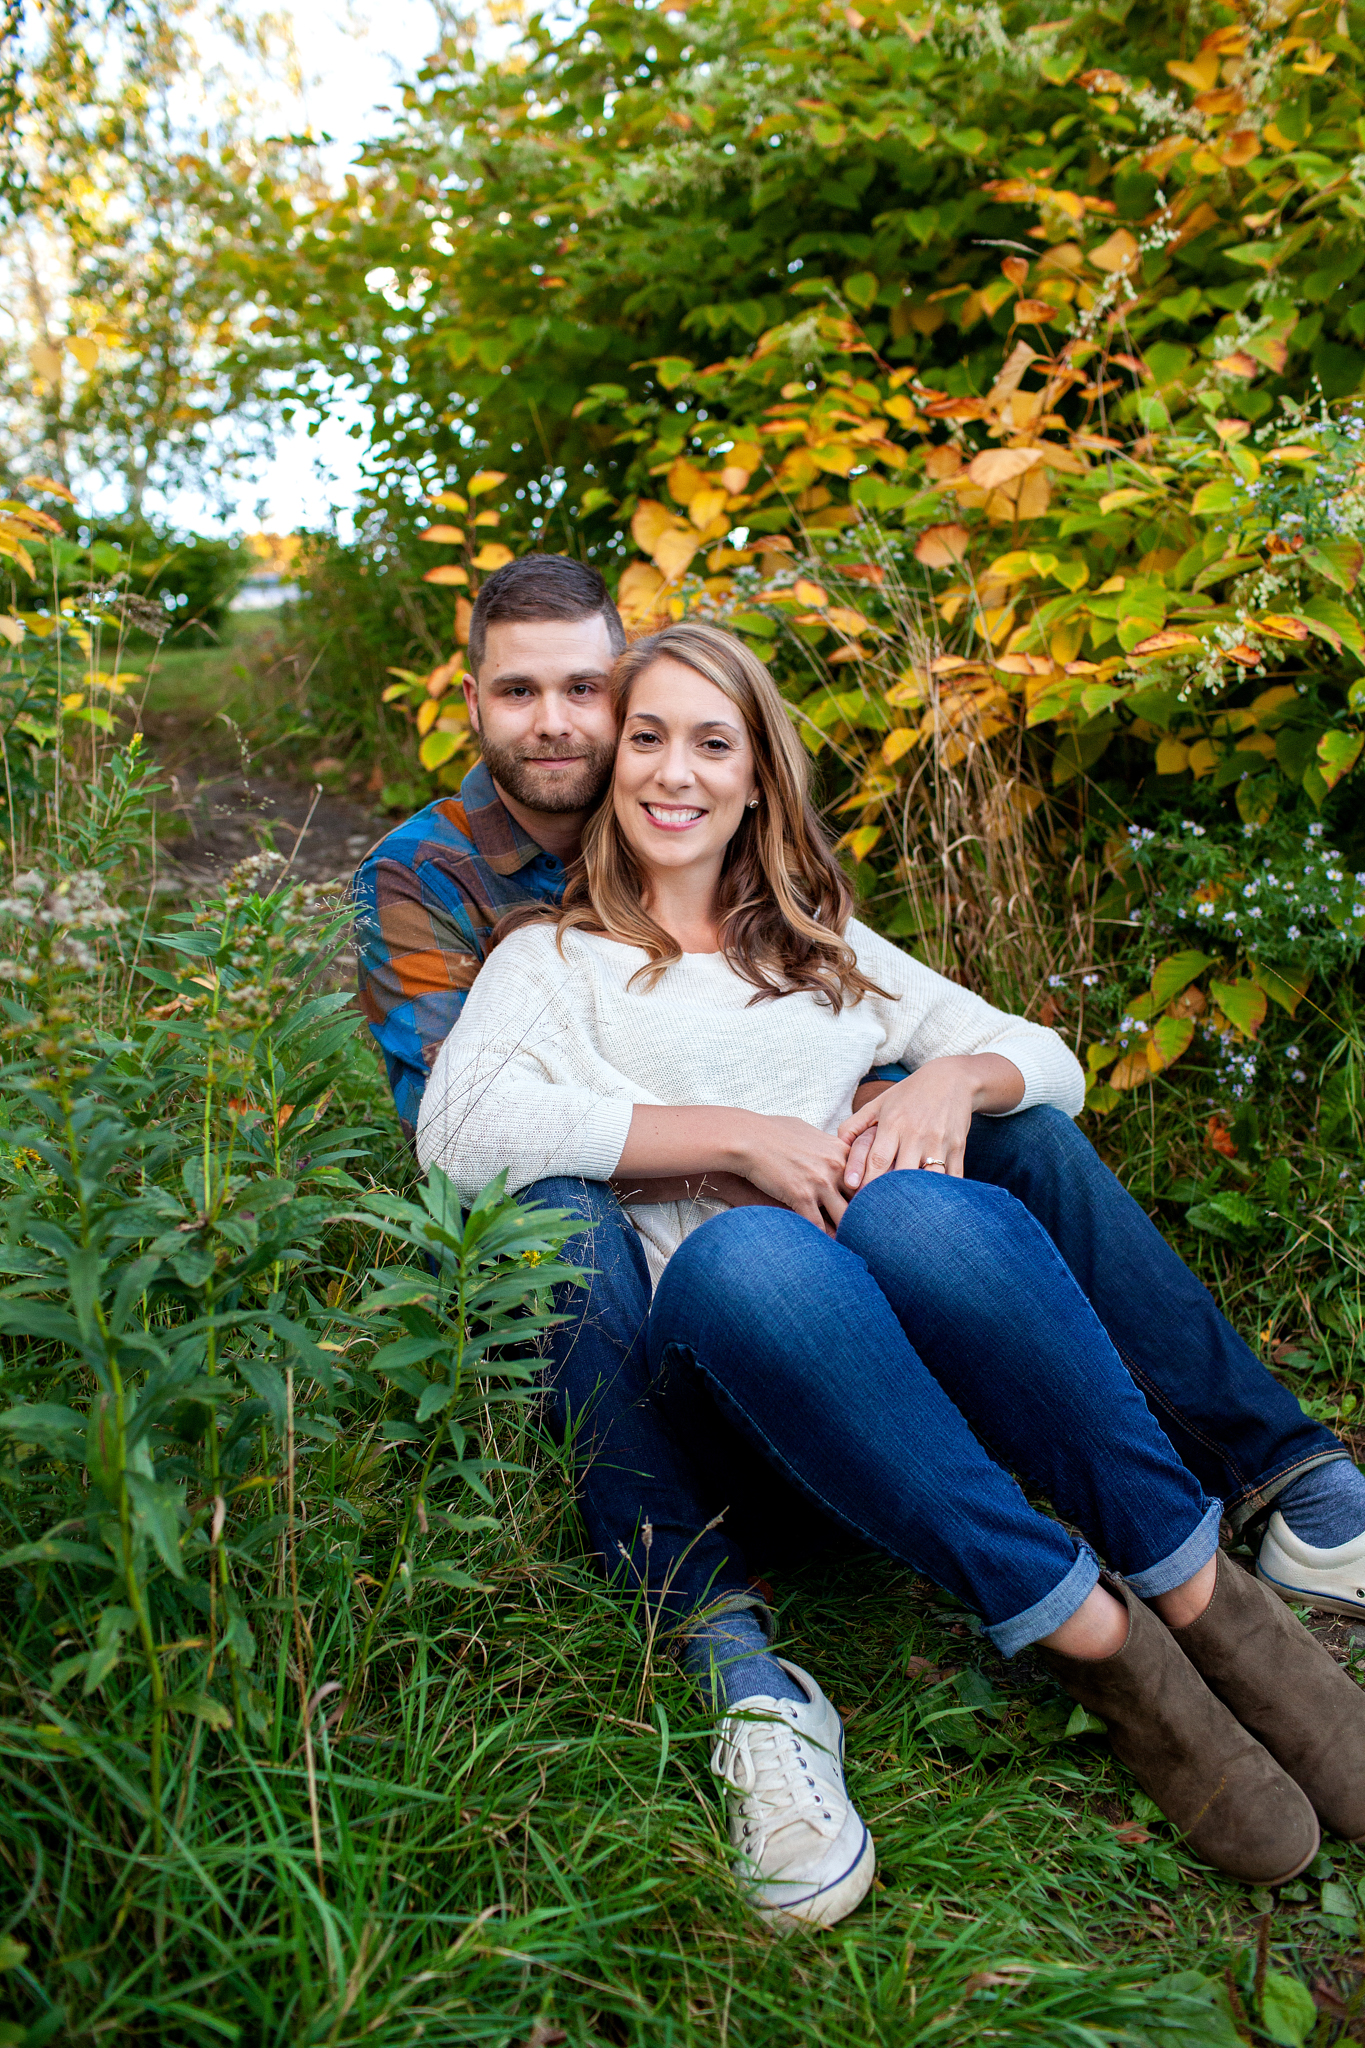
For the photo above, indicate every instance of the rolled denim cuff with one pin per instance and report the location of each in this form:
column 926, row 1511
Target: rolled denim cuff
column 1170, row 1572
column 1014, row 1635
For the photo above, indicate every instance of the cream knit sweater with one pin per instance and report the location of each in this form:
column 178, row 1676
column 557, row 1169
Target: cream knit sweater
column 551, row 1052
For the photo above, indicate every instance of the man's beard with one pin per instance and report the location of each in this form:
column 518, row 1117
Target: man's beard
column 574, row 791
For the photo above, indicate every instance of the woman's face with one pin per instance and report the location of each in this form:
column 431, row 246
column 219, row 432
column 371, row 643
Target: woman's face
column 684, row 768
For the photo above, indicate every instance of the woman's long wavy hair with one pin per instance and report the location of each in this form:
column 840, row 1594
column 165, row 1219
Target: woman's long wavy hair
column 784, row 903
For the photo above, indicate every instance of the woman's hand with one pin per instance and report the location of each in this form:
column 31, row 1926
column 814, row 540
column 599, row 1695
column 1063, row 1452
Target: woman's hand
column 924, row 1121
column 799, row 1167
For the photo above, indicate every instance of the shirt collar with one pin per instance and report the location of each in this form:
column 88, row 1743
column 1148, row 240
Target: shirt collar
column 497, row 837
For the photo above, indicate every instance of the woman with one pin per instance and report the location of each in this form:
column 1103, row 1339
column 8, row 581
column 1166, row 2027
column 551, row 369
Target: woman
column 704, row 1006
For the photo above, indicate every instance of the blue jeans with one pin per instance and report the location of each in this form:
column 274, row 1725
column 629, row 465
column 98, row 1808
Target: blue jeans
column 1237, row 1430
column 868, row 1367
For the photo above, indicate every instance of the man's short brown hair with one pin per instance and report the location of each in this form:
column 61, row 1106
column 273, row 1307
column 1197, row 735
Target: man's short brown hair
column 541, row 587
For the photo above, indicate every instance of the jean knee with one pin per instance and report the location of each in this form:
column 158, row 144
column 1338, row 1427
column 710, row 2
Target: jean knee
column 943, row 1229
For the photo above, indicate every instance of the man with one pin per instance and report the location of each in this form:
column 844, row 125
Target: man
column 543, row 637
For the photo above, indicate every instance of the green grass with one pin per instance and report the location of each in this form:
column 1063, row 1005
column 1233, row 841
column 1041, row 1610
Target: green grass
column 512, row 1836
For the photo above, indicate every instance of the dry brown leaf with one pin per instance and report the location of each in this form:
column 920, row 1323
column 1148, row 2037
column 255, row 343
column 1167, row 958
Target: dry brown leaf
column 940, row 546
column 998, row 466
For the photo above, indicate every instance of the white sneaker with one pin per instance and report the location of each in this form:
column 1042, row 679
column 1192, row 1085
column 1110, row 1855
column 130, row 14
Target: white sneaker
column 1332, row 1580
column 804, row 1851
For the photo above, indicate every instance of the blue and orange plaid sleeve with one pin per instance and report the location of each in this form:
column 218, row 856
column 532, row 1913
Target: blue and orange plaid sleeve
column 417, row 955
column 426, row 900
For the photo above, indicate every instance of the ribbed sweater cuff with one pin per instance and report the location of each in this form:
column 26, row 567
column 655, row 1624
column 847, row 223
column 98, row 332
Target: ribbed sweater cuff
column 601, row 1138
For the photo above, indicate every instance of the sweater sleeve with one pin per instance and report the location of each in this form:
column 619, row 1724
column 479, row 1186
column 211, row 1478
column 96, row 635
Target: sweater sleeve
column 933, row 1017
column 517, row 1086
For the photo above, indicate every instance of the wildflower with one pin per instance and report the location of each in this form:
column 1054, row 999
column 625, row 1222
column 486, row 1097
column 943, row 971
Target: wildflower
column 1056, row 981
column 1291, row 1052
column 1316, row 831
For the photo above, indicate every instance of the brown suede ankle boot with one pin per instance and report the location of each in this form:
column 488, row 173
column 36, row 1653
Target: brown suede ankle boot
column 1283, row 1686
column 1234, row 1805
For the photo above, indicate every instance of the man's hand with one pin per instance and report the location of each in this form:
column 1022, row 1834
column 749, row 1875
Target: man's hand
column 800, row 1167
column 924, row 1121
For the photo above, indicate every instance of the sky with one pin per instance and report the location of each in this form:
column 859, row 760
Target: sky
column 356, row 55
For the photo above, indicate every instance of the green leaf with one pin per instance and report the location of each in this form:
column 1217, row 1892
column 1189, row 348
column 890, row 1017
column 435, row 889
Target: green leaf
column 1325, row 611
column 1242, row 1003
column 12, row 1952
column 1338, row 753
column 44, row 1423
column 1339, row 1899
column 1288, row 994
column 436, row 1397
column 437, row 748
column 1219, row 496
column 213, row 1713
column 1083, row 1722
column 672, row 371
column 102, row 1448
column 52, row 1550
column 861, row 290
column 1340, row 561
column 1174, row 973
column 156, row 1510
column 1288, row 2014
column 1171, row 1037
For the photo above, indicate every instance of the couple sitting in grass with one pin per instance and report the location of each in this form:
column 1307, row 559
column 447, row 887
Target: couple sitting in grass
column 848, row 1260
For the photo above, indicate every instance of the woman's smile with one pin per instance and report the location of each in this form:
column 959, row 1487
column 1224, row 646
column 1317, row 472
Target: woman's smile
column 672, row 817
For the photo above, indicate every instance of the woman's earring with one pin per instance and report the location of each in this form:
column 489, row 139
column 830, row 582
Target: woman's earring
column 752, row 804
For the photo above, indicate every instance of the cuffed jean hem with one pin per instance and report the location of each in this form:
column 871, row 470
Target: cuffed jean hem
column 1014, row 1635
column 1259, row 1497
column 1170, row 1572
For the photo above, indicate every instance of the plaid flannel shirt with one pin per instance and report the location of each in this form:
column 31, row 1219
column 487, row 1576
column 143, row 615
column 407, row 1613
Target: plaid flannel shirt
column 427, row 898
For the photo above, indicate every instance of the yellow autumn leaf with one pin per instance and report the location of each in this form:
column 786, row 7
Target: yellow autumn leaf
column 639, row 586
column 448, row 536
column 493, row 555
column 86, row 351
column 1172, row 757
column 450, row 501
column 899, row 742
column 673, row 551
column 50, row 484
column 486, row 480
column 650, row 521
column 446, row 573
column 706, row 506
column 808, row 593
column 845, row 620
column 1117, row 254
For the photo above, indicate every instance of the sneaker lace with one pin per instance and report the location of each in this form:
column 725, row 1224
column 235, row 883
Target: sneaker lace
column 778, row 1797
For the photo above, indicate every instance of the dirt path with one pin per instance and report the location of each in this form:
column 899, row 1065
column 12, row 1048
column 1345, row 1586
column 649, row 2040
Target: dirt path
column 230, row 816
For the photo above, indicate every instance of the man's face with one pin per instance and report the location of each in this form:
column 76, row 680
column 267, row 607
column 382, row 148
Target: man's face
column 543, row 713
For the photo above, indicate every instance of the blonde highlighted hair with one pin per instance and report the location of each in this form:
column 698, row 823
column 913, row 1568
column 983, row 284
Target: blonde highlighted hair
column 784, row 902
